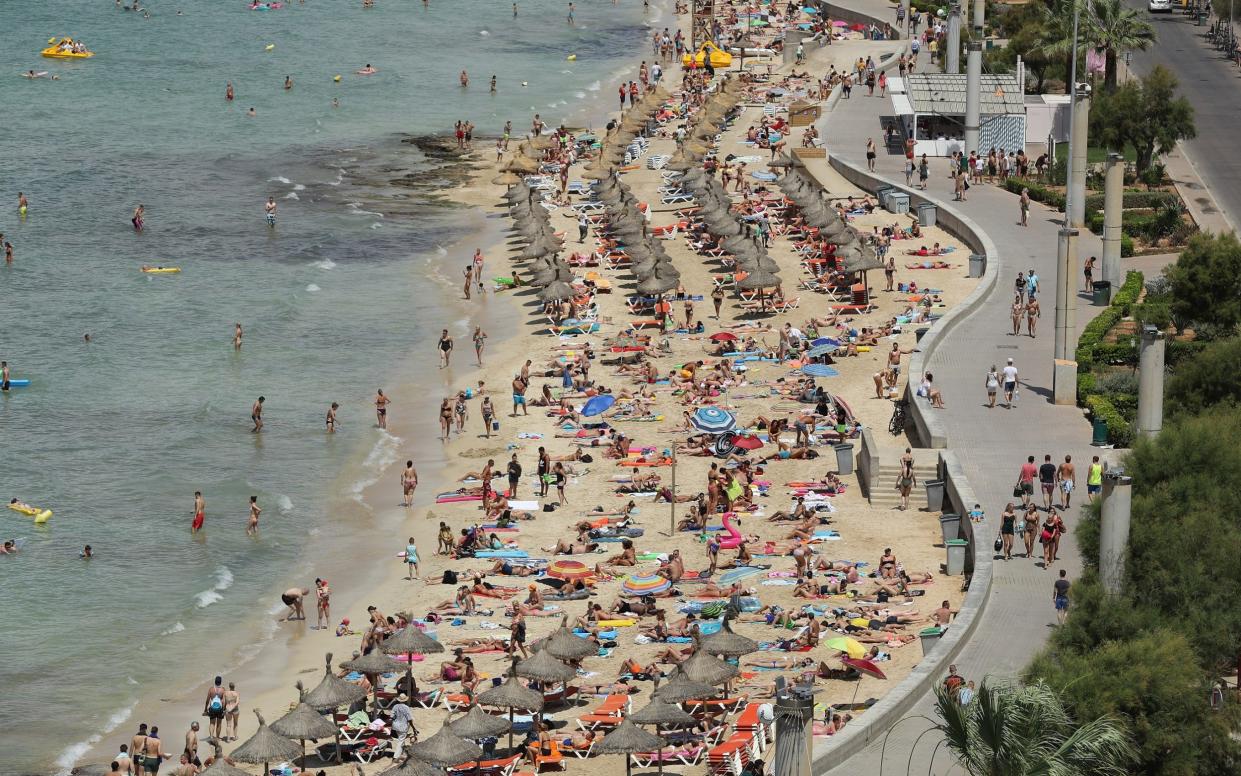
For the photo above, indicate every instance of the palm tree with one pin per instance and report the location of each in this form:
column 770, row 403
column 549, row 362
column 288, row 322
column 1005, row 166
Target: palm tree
column 1115, row 28
column 1057, row 34
column 1025, row 730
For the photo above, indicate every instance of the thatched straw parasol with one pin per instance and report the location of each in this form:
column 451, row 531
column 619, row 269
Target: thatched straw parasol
column 556, row 291
column 333, row 691
column 659, row 714
column 702, row 667
column 598, row 172
column 512, row 695
column 626, row 739
column 476, row 724
column 564, row 645
column 446, row 749
column 725, row 642
column 758, row 280
column 373, row 665
column 412, row 766
column 681, row 162
column 656, row 284
column 681, row 689
column 522, row 164
column 219, row 767
column 304, row 723
column 506, row 179
column 265, row 746
column 410, row 641
column 544, row 667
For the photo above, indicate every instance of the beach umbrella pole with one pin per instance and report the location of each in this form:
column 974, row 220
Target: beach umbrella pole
column 672, row 512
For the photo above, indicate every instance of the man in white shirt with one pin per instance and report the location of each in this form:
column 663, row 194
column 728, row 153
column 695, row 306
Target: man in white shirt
column 1010, row 383
column 402, row 719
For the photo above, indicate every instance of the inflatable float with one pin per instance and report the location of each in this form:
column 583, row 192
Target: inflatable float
column 39, row 514
column 161, row 270
column 20, row 383
column 266, row 6
column 34, row 74
column 734, row 539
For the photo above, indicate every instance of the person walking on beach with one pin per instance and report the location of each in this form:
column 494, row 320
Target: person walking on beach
column 870, row 154
column 200, row 512
column 411, row 560
column 1010, row 384
column 583, row 226
column 1033, row 312
column 269, row 212
column 469, row 279
column 1060, row 596
column 445, row 419
column 323, row 604
column 488, row 411
column 445, row 347
column 232, row 710
column 1025, row 481
column 1064, row 476
column 519, row 395
column 1024, row 202
column 1047, row 480
column 256, row 414
column 409, row 483
column 381, row 408
column 1088, row 271
column 1094, row 479
column 213, row 708
column 906, row 480
column 478, row 270
column 252, row 525
column 153, row 752
column 480, row 339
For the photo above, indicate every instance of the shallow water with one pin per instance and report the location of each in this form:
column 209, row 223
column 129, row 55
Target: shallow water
column 116, row 435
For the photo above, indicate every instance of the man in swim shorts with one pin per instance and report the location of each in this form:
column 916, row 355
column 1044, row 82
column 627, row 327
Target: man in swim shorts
column 256, row 414
column 269, row 211
column 200, row 512
column 4, row 376
column 292, row 598
column 519, row 396
column 213, row 707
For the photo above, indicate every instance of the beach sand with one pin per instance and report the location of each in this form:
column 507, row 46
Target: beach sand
column 376, row 576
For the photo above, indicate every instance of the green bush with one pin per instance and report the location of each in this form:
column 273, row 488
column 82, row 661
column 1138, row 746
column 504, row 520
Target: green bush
column 1038, row 193
column 1128, row 294
column 1164, row 222
column 1136, row 199
column 1119, row 429
column 1126, row 246
column 1154, row 313
column 1116, row 382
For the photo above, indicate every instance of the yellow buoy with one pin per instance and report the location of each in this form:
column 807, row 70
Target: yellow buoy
column 336, row 79
column 572, row 57
column 270, row 46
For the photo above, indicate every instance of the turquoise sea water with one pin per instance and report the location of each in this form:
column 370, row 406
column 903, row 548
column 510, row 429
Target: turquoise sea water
column 116, row 435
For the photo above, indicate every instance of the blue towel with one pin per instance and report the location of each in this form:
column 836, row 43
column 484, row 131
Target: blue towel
column 502, row 554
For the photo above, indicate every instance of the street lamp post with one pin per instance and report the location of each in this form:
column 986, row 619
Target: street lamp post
column 952, row 57
column 1064, row 373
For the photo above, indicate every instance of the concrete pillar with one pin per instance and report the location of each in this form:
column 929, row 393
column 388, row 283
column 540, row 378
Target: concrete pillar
column 952, row 51
column 904, row 25
column 973, row 97
column 1150, row 382
column 1064, row 375
column 1077, row 164
column 1114, row 529
column 794, row 743
column 980, row 10
column 1113, row 202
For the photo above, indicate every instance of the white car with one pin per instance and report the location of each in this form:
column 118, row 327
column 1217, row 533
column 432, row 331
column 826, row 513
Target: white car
column 1159, row 6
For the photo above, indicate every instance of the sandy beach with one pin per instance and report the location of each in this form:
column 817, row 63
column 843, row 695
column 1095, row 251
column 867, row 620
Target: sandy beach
column 372, row 574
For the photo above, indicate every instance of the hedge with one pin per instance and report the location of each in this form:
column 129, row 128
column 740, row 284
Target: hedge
column 1130, row 200
column 1149, row 226
column 1037, row 193
column 1119, row 428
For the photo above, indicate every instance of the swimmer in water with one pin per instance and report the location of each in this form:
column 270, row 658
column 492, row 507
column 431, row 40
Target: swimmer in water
column 331, row 418
column 251, row 113
column 270, row 212
column 493, row 84
column 256, row 414
column 236, row 336
column 137, row 219
column 87, row 553
column 252, row 526
column 381, row 408
column 335, row 102
column 288, row 82
column 200, row 512
column 228, row 91
column 368, row 70
column 465, row 78
column 22, row 204
column 86, row 338
column 9, row 548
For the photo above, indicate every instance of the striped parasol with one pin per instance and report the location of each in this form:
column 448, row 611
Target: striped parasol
column 570, row 570
column 713, row 420
column 645, row 584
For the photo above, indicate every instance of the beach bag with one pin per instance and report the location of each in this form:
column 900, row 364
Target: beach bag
column 450, row 577
column 1017, row 491
column 999, row 543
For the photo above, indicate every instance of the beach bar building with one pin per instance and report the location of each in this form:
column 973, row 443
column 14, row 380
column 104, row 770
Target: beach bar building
column 931, row 107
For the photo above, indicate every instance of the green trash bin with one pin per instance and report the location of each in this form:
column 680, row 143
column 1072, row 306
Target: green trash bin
column 1102, row 295
column 1099, row 432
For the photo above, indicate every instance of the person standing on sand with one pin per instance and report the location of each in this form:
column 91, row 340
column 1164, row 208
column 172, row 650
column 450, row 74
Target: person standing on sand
column 409, row 482
column 191, row 742
column 469, row 279
column 480, row 339
column 330, row 420
column 292, row 598
column 445, row 343
column 514, row 476
column 137, row 745
column 153, row 752
column 519, row 396
column 411, row 560
column 381, row 408
column 232, row 710
column 252, row 526
column 200, row 512
column 213, row 707
column 323, row 604
column 256, row 414
column 488, row 412
column 478, row 270
column 237, row 336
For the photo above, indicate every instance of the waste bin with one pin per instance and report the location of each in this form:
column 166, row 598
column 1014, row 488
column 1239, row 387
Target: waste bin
column 898, row 202
column 844, row 459
column 930, row 637
column 881, row 194
column 949, row 526
column 934, row 494
column 1098, row 436
column 926, row 214
column 955, row 566
column 919, row 333
column 1102, row 295
column 978, row 265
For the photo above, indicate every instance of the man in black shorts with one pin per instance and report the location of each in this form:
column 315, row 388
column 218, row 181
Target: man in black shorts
column 1047, row 480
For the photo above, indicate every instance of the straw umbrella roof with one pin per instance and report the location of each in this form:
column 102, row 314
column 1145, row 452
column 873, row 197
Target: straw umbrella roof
column 702, row 667
column 556, row 291
column 861, row 260
column 598, row 173
column 725, row 642
column 476, row 724
column 542, row 142
column 545, row 668
column 220, row 767
column 628, row 738
column 412, row 767
column 333, row 691
column 760, row 279
column 564, row 645
column 505, row 179
column 374, row 662
column 265, row 746
column 659, row 712
column 680, row 162
column 656, row 284
column 512, row 694
column 520, row 163
column 446, row 749
column 681, row 688
column 303, row 722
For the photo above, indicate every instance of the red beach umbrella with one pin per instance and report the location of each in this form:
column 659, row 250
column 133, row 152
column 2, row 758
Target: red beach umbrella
column 864, row 667
column 747, row 442
column 724, row 336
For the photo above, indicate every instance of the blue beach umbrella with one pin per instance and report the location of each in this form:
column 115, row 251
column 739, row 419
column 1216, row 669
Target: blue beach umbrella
column 713, row 420
column 824, row 341
column 598, row 405
column 820, row 350
column 819, row 370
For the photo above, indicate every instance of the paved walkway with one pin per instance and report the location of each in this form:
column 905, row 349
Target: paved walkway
column 991, row 443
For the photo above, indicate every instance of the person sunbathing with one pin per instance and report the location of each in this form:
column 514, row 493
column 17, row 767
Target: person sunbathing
column 504, row 567
column 713, row 590
column 674, row 569
column 479, row 646
column 462, row 603
column 626, row 557
column 804, row 531
column 488, row 590
column 799, row 513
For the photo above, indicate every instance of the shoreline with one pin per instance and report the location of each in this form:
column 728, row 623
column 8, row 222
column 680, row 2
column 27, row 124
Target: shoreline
column 253, row 664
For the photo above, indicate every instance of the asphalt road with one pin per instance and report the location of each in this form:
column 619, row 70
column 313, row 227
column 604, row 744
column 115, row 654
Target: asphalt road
column 1213, row 86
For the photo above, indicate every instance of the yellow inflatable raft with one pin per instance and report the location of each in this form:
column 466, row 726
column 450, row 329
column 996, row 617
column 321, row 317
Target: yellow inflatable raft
column 161, row 270
column 40, row 516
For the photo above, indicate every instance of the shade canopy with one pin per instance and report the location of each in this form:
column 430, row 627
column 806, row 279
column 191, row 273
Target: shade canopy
column 713, row 420
column 681, row 688
column 756, row 280
column 476, row 724
column 333, row 691
column 446, row 749
column 628, row 738
column 544, row 667
column 412, row 767
column 265, row 746
column 556, row 292
column 512, row 694
column 645, row 584
column 304, row 723
column 411, row 640
column 374, row 662
column 702, row 667
column 564, row 645
column 659, row 712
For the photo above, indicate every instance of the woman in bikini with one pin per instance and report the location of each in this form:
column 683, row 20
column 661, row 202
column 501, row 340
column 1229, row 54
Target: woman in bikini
column 1017, row 312
column 445, row 348
column 381, row 408
column 445, row 419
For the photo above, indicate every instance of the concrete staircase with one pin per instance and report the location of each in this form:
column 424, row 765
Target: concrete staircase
column 886, row 496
